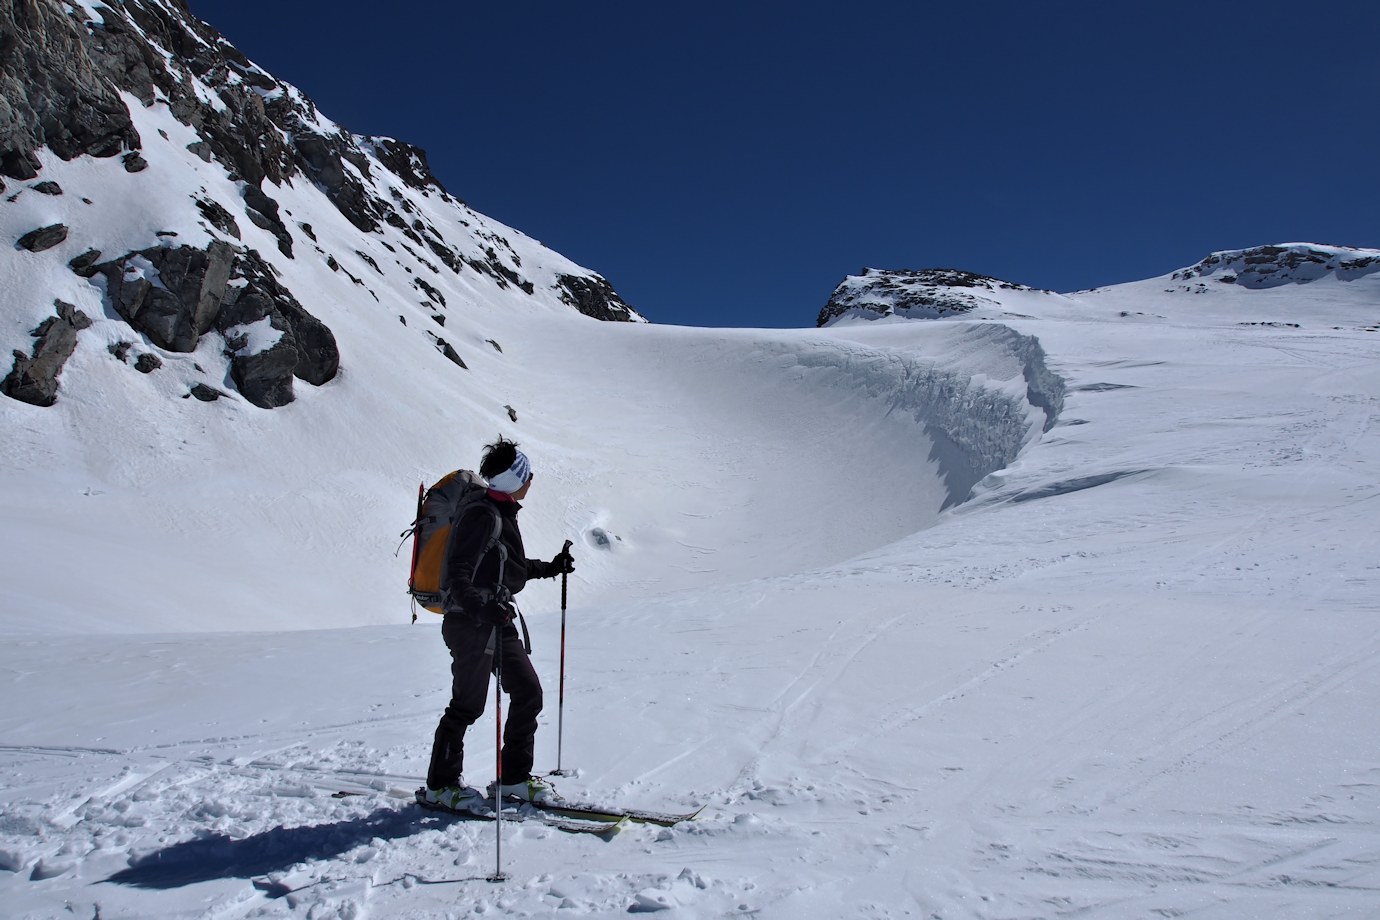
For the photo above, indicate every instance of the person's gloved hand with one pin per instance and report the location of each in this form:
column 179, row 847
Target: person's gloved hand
column 499, row 613
column 489, row 606
column 563, row 563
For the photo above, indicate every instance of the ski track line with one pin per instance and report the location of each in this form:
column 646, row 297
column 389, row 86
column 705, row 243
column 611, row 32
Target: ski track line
column 1043, row 639
column 809, row 679
column 1245, row 718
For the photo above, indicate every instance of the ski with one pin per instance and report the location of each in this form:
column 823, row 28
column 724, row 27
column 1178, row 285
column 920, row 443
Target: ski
column 571, row 824
column 594, row 812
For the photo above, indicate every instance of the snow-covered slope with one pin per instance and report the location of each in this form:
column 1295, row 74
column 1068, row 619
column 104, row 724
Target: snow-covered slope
column 161, row 189
column 1065, row 605
column 1132, row 675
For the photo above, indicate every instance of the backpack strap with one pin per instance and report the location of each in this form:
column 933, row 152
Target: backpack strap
column 494, row 534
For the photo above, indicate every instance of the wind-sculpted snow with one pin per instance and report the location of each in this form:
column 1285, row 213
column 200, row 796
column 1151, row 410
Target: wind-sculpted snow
column 975, row 427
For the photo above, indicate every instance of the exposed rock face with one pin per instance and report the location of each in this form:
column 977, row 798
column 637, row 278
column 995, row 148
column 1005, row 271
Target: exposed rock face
column 595, row 297
column 271, row 338
column 171, row 295
column 34, row 379
column 407, row 162
column 52, row 93
column 925, row 294
column 1290, row 263
column 176, row 295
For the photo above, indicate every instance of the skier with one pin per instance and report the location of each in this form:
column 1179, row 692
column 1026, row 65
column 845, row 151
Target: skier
column 478, row 624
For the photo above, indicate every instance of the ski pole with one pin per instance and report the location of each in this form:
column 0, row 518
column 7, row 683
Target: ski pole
column 498, row 875
column 560, row 705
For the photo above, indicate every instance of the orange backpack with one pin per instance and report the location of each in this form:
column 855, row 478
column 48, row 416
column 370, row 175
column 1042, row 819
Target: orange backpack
column 439, row 510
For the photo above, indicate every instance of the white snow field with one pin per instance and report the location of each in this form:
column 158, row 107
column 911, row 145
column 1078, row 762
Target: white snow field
column 1136, row 675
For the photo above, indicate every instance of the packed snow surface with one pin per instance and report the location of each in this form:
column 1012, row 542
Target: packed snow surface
column 932, row 624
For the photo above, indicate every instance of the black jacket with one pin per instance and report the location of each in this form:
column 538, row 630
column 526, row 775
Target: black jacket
column 472, row 574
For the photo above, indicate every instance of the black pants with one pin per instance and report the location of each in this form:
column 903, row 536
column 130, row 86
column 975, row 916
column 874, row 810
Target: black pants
column 470, row 666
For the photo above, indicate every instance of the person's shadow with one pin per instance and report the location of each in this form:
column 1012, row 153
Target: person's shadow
column 222, row 857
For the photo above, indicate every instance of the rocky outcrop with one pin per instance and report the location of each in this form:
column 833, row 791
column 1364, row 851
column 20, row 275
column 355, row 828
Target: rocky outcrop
column 406, row 162
column 176, row 295
column 925, row 294
column 271, row 339
column 53, row 93
column 594, row 296
column 171, row 295
column 1288, row 263
column 34, row 378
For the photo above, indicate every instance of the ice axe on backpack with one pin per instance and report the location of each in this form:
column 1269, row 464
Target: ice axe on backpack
column 560, row 706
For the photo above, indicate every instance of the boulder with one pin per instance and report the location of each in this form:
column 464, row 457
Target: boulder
column 291, row 343
column 34, row 379
column 43, row 238
column 172, row 295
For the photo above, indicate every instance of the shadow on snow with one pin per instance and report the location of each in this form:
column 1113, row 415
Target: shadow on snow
column 222, row 857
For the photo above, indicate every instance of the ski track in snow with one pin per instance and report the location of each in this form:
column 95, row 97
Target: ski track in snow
column 1134, row 676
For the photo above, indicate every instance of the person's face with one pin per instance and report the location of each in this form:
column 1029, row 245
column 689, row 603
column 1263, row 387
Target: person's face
column 520, row 494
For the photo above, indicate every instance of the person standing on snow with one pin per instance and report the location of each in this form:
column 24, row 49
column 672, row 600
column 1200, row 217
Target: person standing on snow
column 478, row 611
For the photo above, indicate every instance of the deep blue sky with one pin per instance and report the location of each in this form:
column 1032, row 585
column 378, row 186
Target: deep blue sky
column 728, row 164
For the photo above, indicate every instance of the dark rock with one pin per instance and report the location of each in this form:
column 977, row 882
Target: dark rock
column 364, row 256
column 184, row 305
column 34, row 379
column 438, row 318
column 56, row 95
column 220, row 218
column 322, row 158
column 445, row 348
column 265, row 378
column 263, row 211
column 406, row 162
column 134, row 163
column 147, row 363
column 497, row 347
column 512, row 413
column 430, row 290
column 48, row 188
column 43, row 238
column 305, row 348
column 306, row 228
column 120, row 350
column 593, row 296
column 85, row 263
column 201, row 149
column 204, row 393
